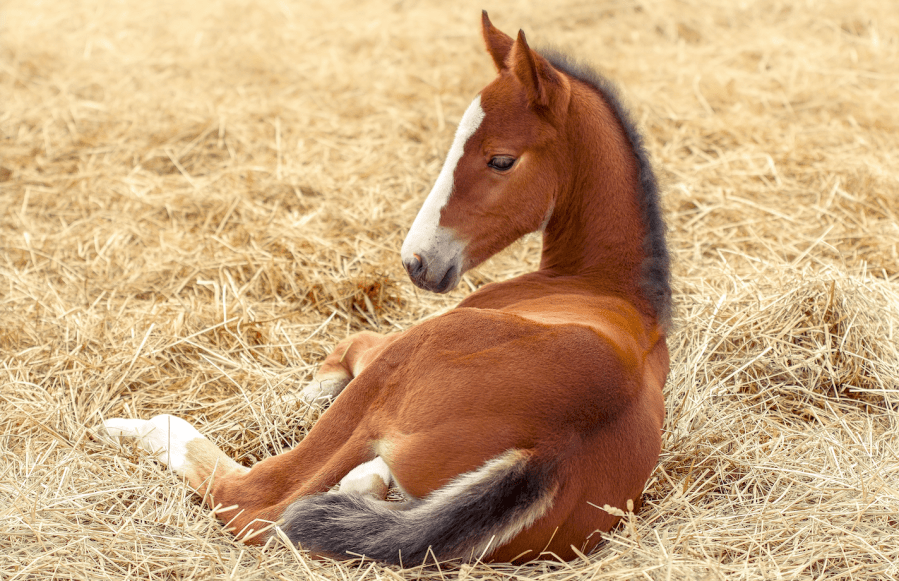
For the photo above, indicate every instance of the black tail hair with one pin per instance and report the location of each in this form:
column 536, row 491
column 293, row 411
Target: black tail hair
column 466, row 519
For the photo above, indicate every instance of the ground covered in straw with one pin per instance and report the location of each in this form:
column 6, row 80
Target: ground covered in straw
column 198, row 199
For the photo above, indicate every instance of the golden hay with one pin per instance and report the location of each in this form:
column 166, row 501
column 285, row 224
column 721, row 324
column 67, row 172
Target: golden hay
column 200, row 198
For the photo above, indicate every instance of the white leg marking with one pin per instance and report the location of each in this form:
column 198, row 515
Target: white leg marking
column 372, row 477
column 165, row 436
column 425, row 235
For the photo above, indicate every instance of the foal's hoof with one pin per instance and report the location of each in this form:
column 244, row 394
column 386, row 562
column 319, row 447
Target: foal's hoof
column 324, row 390
column 165, row 436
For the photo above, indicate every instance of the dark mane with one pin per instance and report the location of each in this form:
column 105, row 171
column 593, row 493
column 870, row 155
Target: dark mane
column 656, row 282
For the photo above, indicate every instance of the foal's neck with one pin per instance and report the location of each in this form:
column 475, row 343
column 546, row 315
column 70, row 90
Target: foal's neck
column 596, row 233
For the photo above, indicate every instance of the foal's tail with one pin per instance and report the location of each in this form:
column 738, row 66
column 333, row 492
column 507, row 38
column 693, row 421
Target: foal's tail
column 468, row 518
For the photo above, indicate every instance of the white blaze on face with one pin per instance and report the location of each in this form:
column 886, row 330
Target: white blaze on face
column 427, row 237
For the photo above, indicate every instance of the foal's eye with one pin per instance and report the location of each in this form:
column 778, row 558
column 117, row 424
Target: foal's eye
column 502, row 162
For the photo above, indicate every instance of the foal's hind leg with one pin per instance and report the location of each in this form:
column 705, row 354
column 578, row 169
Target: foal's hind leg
column 348, row 359
column 372, row 478
column 178, row 445
column 249, row 500
column 338, row 449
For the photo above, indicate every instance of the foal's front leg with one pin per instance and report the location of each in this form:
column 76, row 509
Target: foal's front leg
column 345, row 362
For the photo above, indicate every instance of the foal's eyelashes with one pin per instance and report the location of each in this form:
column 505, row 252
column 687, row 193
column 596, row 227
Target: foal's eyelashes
column 502, row 162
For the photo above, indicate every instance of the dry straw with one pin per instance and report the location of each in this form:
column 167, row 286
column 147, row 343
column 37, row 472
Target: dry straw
column 198, row 199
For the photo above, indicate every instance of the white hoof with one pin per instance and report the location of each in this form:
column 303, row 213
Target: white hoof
column 165, row 436
column 324, row 390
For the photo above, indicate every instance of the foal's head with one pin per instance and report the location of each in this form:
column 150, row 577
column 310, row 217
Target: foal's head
column 503, row 172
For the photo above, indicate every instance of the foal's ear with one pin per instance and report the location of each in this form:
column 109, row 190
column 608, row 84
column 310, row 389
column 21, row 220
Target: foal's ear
column 546, row 87
column 498, row 43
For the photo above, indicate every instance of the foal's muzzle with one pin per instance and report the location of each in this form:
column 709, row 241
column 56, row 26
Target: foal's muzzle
column 430, row 275
column 415, row 267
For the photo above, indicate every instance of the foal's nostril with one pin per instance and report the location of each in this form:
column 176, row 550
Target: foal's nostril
column 415, row 266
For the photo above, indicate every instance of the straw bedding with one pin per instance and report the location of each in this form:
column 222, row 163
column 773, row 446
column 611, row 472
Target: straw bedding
column 198, row 199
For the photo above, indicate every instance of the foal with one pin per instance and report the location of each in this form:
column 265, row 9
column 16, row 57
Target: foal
column 509, row 420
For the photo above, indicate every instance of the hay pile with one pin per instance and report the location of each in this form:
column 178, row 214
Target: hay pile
column 198, row 199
